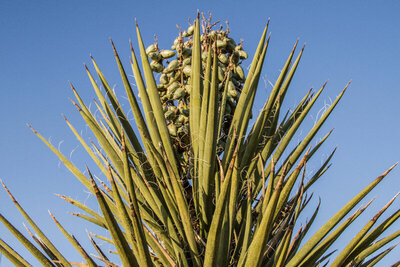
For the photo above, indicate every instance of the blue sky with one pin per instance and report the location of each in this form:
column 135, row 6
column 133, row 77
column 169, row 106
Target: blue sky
column 45, row 43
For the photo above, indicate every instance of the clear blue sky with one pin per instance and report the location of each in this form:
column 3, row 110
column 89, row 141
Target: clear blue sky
column 44, row 44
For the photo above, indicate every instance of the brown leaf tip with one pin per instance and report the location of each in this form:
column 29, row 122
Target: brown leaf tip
column 389, row 170
column 367, row 205
column 72, row 87
column 86, row 67
column 96, row 189
column 52, row 216
column 8, row 192
column 295, row 45
column 347, row 85
column 61, row 196
column 376, row 217
column 113, row 46
column 76, row 105
column 32, row 128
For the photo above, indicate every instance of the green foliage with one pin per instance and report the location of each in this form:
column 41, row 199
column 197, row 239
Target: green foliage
column 199, row 186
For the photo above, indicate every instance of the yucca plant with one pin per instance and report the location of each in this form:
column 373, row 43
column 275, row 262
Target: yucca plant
column 202, row 184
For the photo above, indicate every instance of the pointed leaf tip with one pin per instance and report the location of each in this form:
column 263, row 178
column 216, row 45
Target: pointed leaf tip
column 113, row 46
column 376, row 217
column 8, row 192
column 72, row 86
column 86, row 67
column 52, row 216
column 362, row 209
column 347, row 85
column 75, row 104
column 32, row 128
column 308, row 151
column 389, row 170
column 96, row 189
column 295, row 45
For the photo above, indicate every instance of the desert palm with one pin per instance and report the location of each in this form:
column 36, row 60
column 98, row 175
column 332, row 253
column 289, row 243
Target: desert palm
column 196, row 182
